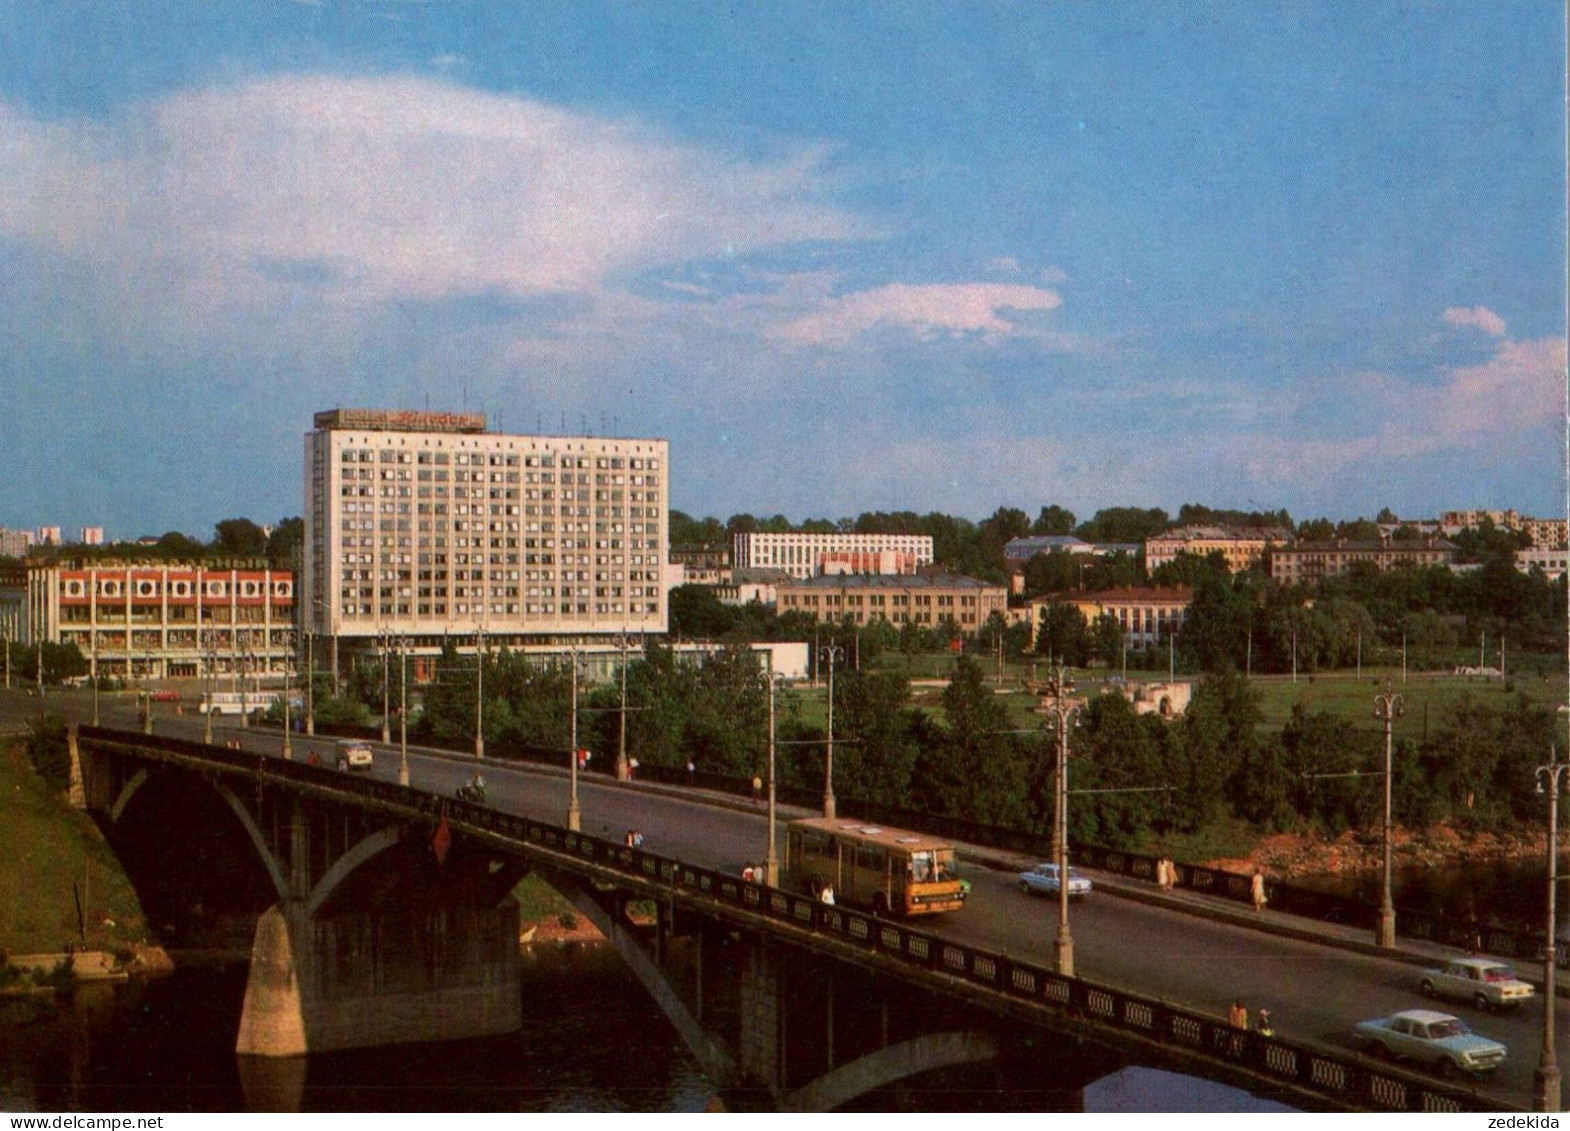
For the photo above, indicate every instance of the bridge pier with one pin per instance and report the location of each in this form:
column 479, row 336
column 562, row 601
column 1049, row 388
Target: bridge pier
column 359, row 979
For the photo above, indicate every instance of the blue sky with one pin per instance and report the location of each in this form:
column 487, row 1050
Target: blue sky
column 845, row 257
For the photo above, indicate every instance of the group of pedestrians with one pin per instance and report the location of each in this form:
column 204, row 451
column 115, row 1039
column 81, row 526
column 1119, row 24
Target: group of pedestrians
column 1237, row 1017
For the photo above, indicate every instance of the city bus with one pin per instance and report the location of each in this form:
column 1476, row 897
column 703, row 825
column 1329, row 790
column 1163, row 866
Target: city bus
column 251, row 702
column 892, row 871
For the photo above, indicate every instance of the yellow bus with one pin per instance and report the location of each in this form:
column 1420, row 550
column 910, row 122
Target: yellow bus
column 892, row 871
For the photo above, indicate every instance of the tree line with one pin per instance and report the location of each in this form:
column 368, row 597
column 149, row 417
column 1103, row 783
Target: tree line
column 972, row 761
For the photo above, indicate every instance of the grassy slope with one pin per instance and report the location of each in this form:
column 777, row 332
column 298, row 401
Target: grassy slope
column 45, row 845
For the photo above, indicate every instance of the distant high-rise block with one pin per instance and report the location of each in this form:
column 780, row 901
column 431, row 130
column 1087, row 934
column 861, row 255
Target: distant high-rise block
column 426, row 526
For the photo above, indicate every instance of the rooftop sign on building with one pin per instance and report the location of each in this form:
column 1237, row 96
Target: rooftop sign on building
column 397, row 420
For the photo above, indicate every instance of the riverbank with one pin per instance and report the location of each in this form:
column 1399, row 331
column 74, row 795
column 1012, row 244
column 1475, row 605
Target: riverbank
column 1296, row 855
column 61, row 887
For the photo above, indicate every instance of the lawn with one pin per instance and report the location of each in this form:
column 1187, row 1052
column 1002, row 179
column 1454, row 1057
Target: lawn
column 52, row 860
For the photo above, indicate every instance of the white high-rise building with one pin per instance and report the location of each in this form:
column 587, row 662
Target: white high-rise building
column 425, row 527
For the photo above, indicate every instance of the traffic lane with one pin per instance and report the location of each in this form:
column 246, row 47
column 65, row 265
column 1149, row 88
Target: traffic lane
column 1314, row 993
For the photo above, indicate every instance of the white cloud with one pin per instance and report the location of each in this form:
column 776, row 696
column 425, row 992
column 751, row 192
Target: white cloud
column 1477, row 317
column 928, row 310
column 386, row 188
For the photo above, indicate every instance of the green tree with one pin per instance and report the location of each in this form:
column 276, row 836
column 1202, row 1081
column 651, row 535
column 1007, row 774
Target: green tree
column 239, row 538
column 1053, row 520
column 1064, row 635
column 1106, row 640
column 283, row 544
column 1123, row 524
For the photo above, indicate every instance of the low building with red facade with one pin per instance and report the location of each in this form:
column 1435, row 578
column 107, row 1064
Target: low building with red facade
column 165, row 620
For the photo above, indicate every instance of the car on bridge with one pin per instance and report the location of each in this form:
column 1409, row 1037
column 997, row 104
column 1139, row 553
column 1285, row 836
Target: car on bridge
column 1043, row 880
column 1485, row 982
column 1433, row 1040
column 354, row 754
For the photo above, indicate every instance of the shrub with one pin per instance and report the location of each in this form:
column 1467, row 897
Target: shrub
column 49, row 751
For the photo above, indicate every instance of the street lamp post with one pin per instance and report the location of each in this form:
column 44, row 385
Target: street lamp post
column 403, row 711
column 1063, row 713
column 623, row 768
column 830, row 652
column 212, row 661
column 479, row 692
column 310, row 684
column 1545, row 1078
column 386, row 679
column 241, row 664
column 288, row 689
column 94, row 631
column 771, row 862
column 1388, row 706
column 574, row 814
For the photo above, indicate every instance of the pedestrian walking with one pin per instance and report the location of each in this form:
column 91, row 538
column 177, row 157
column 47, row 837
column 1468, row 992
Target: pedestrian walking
column 1257, row 890
column 1237, row 1016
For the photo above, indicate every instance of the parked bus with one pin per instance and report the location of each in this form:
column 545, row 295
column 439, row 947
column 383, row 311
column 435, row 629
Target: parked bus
column 234, row 703
column 892, row 871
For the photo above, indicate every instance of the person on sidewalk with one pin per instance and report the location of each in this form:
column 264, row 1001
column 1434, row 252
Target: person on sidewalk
column 1237, row 1016
column 1257, row 890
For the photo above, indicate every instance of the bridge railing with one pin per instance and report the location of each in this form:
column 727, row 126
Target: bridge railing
column 1500, row 939
column 1342, row 1080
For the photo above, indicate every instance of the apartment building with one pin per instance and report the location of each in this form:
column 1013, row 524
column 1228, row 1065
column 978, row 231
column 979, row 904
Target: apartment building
column 15, row 543
column 1545, row 533
column 427, row 527
column 1147, row 616
column 702, row 563
column 920, row 599
column 1307, row 562
column 1553, row 563
column 804, row 555
column 1242, row 546
column 143, row 620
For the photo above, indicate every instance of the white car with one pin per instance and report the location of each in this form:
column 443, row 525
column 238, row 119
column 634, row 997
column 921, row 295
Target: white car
column 1043, row 880
column 354, row 754
column 1485, row 982
column 1434, row 1040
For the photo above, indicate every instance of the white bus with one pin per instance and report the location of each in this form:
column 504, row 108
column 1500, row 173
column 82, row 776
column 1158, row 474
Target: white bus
column 235, row 702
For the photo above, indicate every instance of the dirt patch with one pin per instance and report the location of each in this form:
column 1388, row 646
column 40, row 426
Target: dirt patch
column 551, row 929
column 1289, row 855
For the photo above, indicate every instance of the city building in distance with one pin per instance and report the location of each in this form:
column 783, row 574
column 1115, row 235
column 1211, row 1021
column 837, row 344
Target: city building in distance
column 1310, row 561
column 423, row 527
column 1243, row 547
column 1146, row 616
column 926, row 599
column 158, row 620
column 805, row 555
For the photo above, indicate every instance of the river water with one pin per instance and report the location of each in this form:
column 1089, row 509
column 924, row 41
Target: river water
column 592, row 1040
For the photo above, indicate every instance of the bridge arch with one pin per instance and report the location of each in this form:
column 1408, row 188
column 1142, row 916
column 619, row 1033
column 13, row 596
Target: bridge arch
column 345, row 865
column 127, row 791
column 247, row 822
column 890, row 1065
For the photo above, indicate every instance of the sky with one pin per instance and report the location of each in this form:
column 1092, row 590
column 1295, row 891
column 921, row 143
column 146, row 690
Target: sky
column 843, row 256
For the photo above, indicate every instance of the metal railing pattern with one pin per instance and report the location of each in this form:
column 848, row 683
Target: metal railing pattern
column 1341, row 1081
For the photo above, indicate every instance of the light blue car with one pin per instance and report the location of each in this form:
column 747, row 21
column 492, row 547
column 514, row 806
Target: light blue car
column 1434, row 1040
column 1043, row 880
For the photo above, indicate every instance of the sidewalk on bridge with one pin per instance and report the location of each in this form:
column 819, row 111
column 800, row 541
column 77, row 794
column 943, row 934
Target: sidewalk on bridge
column 1217, row 909
column 1360, row 940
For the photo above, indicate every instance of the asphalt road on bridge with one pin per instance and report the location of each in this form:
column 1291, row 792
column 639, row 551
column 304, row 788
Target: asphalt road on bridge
column 1315, row 993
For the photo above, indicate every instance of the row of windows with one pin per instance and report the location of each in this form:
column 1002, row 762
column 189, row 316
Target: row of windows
column 151, row 587
column 496, row 459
